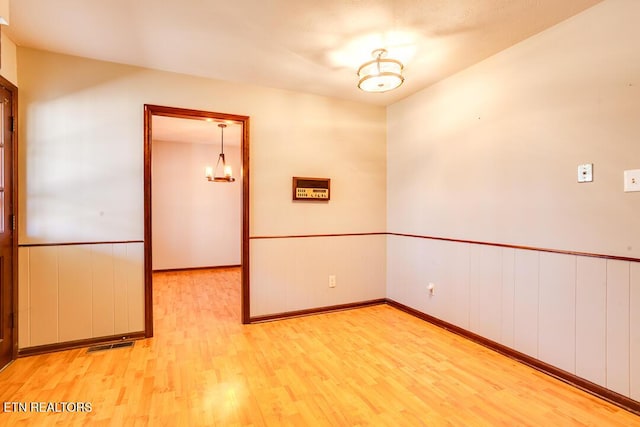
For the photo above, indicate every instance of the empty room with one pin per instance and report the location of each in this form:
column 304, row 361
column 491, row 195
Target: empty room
column 334, row 213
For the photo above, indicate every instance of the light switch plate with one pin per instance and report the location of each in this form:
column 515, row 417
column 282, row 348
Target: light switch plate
column 632, row 180
column 585, row 172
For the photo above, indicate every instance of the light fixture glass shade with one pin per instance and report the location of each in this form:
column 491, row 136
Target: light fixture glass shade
column 381, row 74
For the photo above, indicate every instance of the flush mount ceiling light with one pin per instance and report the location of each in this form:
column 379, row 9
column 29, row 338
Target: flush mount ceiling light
column 222, row 171
column 381, row 74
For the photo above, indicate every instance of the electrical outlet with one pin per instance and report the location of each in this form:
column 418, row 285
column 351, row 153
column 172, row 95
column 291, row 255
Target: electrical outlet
column 431, row 288
column 632, row 180
column 332, row 281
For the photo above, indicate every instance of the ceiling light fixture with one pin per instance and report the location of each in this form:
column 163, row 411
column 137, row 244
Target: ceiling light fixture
column 226, row 175
column 381, row 74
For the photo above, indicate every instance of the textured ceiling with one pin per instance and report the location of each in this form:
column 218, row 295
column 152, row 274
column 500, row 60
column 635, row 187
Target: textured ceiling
column 311, row 46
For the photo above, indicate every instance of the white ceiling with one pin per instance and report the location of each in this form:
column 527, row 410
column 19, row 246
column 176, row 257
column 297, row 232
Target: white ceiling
column 312, row 46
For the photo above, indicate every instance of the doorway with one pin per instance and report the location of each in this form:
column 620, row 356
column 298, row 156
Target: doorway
column 243, row 121
column 8, row 234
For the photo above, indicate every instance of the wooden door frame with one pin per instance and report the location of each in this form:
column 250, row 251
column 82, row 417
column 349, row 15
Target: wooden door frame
column 13, row 89
column 183, row 113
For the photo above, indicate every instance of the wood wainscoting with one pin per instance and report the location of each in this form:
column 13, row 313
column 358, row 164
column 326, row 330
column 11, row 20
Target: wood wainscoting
column 369, row 366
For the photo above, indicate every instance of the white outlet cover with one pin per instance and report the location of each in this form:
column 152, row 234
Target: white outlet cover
column 585, row 172
column 632, row 180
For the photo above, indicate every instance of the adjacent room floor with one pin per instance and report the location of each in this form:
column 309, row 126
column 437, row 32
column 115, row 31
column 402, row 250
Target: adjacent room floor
column 361, row 367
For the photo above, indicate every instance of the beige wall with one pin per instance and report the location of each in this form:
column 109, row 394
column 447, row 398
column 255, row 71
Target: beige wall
column 196, row 223
column 81, row 165
column 491, row 155
column 9, row 63
column 493, row 151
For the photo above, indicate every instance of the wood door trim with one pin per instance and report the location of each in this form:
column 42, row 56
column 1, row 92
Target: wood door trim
column 159, row 110
column 13, row 89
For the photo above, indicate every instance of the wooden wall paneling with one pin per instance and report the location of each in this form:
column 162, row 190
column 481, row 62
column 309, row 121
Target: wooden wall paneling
column 508, row 295
column 490, row 292
column 312, row 277
column 634, row 333
column 43, row 296
column 120, row 288
column 402, row 263
column 618, row 326
column 412, row 275
column 456, row 276
column 304, row 271
column 135, row 286
column 275, row 262
column 24, row 310
column 439, row 304
column 366, row 280
column 591, row 319
column 557, row 312
column 526, row 302
column 433, row 259
column 349, row 259
column 474, row 288
column 103, row 298
column 393, row 269
column 74, row 292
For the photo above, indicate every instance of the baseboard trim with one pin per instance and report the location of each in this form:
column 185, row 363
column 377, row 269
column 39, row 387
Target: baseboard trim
column 567, row 377
column 71, row 345
column 318, row 310
column 213, row 267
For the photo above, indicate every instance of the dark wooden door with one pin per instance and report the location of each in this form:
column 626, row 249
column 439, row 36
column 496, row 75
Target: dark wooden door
column 7, row 223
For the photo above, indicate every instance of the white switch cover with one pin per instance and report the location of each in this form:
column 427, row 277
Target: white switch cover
column 632, row 180
column 585, row 172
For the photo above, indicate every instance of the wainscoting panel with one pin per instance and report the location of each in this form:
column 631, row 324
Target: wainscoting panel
column 526, row 304
column 508, row 297
column 579, row 313
column 129, row 264
column 103, row 298
column 292, row 273
column 618, row 326
column 43, row 294
column 413, row 264
column 24, row 317
column 75, row 301
column 487, row 295
column 451, row 281
column 634, row 333
column 411, row 259
column 557, row 311
column 79, row 291
column 591, row 319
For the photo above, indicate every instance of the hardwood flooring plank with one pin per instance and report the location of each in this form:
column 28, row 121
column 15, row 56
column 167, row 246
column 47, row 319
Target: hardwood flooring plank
column 362, row 367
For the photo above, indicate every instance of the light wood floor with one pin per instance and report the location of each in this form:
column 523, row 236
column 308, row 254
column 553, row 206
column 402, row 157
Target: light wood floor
column 372, row 366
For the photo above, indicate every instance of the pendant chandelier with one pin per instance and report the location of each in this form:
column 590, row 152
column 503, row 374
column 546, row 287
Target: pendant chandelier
column 222, row 172
column 381, row 74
